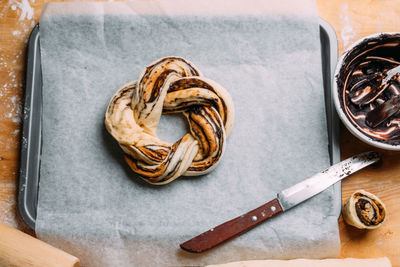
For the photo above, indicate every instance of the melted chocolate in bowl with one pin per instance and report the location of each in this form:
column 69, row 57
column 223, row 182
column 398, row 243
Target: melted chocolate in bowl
column 359, row 85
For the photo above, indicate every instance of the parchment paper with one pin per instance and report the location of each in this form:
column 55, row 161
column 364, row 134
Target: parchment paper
column 267, row 55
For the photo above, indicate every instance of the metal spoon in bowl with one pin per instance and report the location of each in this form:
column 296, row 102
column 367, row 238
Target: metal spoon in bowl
column 384, row 111
column 389, row 75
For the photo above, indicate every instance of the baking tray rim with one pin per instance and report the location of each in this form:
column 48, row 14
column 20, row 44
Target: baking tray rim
column 30, row 158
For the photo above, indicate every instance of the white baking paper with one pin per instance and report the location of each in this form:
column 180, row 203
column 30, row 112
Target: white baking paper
column 265, row 53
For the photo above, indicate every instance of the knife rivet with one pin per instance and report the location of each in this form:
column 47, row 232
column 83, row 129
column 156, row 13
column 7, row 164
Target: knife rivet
column 273, row 209
column 254, row 218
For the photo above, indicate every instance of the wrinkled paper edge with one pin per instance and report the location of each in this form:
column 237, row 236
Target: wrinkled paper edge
column 182, row 7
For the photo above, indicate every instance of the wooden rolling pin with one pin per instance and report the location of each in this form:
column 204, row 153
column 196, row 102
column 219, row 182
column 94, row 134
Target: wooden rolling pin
column 20, row 249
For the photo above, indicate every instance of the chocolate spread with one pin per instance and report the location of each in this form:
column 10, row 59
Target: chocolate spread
column 360, row 85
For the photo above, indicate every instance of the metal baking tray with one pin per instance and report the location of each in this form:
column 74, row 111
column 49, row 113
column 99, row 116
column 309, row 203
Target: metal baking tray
column 31, row 141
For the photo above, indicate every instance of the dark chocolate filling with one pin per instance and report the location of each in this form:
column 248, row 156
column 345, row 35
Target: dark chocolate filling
column 359, row 85
column 363, row 205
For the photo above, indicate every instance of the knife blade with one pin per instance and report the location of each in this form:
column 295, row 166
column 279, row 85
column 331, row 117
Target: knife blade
column 285, row 200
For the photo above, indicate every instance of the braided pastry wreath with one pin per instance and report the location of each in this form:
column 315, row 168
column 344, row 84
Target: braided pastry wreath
column 170, row 85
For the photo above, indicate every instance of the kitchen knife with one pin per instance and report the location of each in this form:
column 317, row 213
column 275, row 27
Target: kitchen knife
column 285, row 200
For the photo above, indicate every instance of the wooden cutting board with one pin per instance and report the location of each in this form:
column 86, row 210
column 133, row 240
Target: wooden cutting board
column 352, row 19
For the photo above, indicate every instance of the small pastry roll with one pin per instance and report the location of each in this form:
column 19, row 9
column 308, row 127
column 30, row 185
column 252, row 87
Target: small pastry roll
column 364, row 210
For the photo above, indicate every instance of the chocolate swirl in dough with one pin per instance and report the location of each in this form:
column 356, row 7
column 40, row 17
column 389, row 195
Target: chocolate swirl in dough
column 360, row 89
column 170, row 85
column 364, row 210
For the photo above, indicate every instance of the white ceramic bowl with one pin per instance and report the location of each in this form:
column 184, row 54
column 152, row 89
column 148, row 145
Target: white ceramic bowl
column 351, row 52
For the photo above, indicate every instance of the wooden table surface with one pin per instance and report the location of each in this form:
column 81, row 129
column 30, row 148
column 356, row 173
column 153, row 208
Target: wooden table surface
column 351, row 19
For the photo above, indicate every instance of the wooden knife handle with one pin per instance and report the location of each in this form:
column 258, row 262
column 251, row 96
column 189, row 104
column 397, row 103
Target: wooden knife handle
column 232, row 228
column 20, row 249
